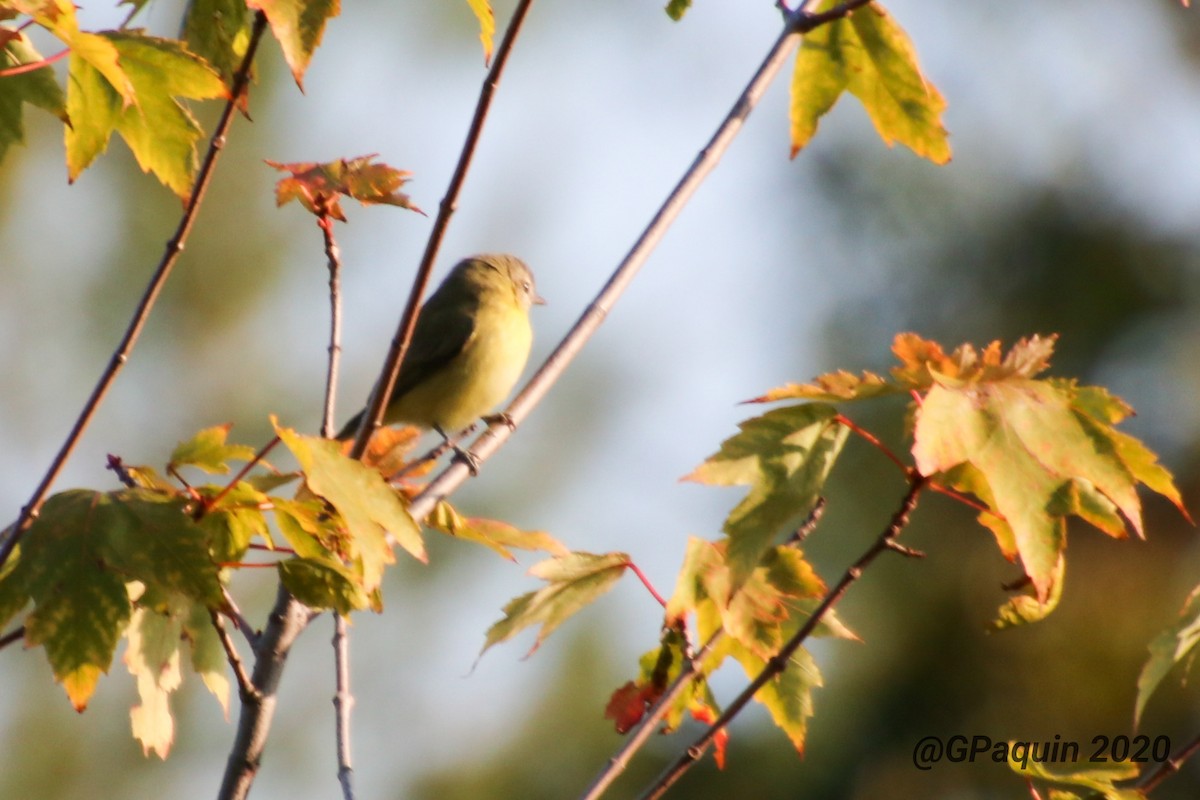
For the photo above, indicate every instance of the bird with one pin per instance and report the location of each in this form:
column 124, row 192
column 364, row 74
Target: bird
column 470, row 345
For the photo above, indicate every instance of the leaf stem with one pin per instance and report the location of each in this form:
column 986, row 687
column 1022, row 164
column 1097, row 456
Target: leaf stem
column 21, row 69
column 29, row 512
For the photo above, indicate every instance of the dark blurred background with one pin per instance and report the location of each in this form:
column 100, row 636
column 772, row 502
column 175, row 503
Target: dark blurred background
column 1070, row 207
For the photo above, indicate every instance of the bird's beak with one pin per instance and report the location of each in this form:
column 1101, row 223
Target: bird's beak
column 538, row 300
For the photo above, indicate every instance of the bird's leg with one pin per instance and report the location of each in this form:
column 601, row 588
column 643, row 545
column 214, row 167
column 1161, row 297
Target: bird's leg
column 464, row 456
column 492, row 419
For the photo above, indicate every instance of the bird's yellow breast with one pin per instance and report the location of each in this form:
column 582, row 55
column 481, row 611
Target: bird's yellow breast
column 478, row 378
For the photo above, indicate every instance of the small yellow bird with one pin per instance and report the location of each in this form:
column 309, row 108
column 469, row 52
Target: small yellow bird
column 469, row 348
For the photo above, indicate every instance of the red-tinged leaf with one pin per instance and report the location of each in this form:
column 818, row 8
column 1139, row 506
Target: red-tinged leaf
column 870, row 55
column 628, row 705
column 1034, row 451
column 366, row 504
column 37, row 87
column 658, row 669
column 298, row 26
column 1169, row 648
column 761, row 613
column 208, row 451
column 573, row 581
column 319, row 186
column 482, row 10
column 720, row 741
column 785, row 457
column 493, row 534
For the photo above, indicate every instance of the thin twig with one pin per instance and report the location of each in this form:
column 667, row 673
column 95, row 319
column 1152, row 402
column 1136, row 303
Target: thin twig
column 208, row 505
column 688, row 673
column 231, row 610
column 12, row 636
column 343, row 702
column 1169, row 767
column 373, row 413
column 333, row 259
column 777, row 663
column 245, row 687
column 29, row 512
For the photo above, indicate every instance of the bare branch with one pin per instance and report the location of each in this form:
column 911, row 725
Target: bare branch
column 343, row 703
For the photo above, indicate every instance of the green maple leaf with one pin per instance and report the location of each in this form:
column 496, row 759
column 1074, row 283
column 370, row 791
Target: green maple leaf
column 785, row 457
column 788, row 695
column 573, row 581
column 321, row 582
column 37, row 87
column 128, row 82
column 298, row 26
column 207, row 450
column 677, row 8
column 81, row 607
column 1170, row 647
column 870, row 55
column 219, row 32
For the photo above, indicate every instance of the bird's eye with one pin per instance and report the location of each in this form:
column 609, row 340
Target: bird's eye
column 526, row 286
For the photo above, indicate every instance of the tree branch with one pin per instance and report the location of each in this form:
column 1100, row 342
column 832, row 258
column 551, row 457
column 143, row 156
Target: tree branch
column 288, row 619
column 120, row 356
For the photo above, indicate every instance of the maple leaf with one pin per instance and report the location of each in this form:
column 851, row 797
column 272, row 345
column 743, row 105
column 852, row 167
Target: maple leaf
column 785, row 457
column 869, row 54
column 298, row 26
column 367, row 505
column 1173, row 645
column 1034, row 451
column 493, row 534
column 318, row 186
column 128, row 82
column 573, row 582
column 208, row 451
column 37, row 87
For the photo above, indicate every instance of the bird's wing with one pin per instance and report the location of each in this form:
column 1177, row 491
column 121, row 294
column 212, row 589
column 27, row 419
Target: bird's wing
column 443, row 331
